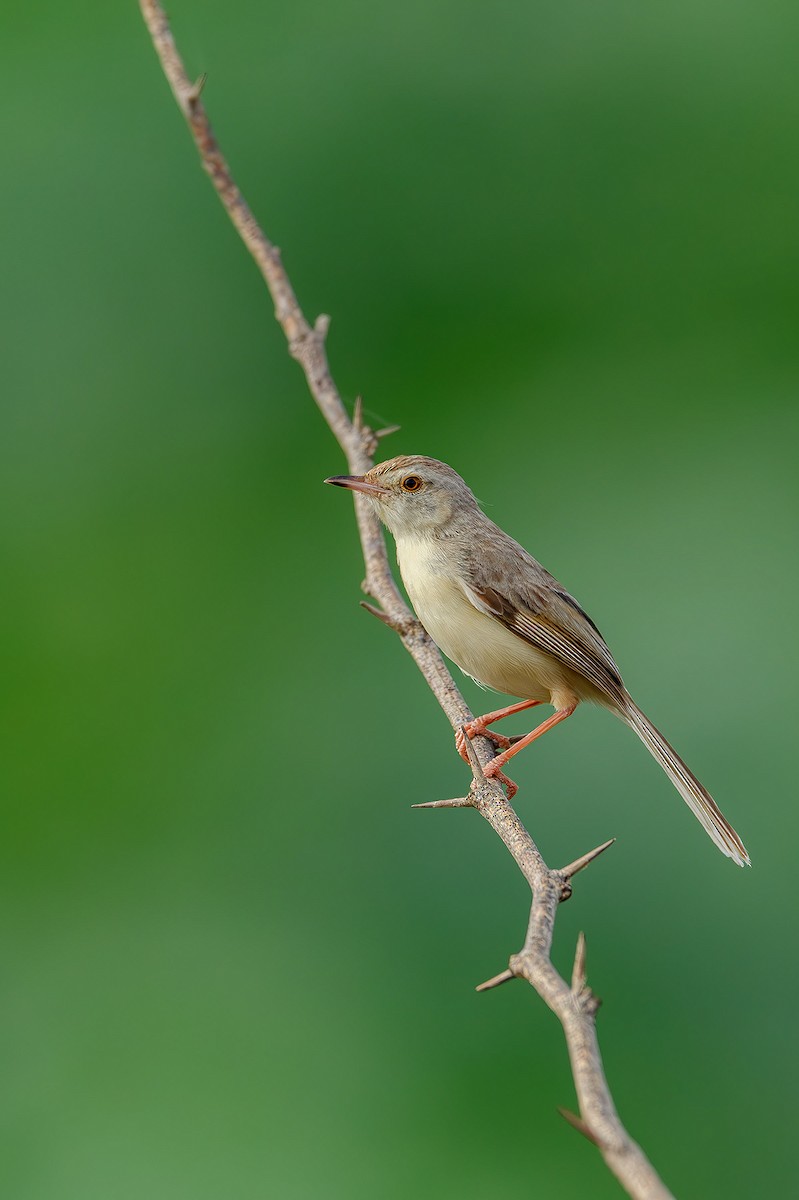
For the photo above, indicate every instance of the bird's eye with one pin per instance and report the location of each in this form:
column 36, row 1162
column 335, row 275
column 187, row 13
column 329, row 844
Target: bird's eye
column 412, row 483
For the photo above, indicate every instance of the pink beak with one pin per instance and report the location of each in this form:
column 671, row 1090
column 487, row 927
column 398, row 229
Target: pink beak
column 357, row 483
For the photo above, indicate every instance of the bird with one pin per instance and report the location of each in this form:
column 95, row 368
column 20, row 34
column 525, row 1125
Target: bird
column 504, row 620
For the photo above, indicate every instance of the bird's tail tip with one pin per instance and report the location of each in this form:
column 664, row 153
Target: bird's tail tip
column 698, row 799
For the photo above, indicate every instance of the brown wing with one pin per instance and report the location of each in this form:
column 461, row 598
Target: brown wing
column 530, row 602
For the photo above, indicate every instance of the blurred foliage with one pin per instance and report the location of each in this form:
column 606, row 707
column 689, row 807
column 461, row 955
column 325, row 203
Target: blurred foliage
column 559, row 245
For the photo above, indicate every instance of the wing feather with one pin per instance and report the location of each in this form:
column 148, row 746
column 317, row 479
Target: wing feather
column 531, row 603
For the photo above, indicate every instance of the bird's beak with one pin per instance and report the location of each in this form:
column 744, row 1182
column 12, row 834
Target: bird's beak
column 357, row 483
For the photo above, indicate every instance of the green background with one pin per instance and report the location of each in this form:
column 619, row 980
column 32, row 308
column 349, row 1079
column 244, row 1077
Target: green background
column 559, row 243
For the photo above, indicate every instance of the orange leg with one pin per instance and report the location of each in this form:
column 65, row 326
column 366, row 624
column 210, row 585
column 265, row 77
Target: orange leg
column 496, row 764
column 478, row 728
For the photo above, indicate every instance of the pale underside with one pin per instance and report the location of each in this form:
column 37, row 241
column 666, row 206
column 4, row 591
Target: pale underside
column 461, row 624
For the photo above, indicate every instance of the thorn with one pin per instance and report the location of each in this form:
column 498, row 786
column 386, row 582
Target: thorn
column 580, row 863
column 474, row 761
column 321, row 326
column 578, row 1123
column 377, row 612
column 357, row 413
column 459, row 802
column 195, row 91
column 389, row 429
column 578, row 970
column 503, row 977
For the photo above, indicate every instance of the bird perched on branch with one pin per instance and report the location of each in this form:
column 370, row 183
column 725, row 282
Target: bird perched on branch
column 506, row 622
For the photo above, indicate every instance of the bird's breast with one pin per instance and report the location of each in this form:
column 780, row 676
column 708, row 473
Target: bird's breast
column 479, row 644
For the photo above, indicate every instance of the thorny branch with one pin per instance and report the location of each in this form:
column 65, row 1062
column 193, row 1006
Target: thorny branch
column 574, row 1004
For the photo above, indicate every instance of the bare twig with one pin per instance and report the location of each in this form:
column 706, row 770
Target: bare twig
column 495, row 981
column 574, row 1006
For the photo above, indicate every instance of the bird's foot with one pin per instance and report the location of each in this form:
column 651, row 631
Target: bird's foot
column 475, row 729
column 479, row 728
column 493, row 769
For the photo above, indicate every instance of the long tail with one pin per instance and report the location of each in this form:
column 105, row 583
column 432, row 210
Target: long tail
column 699, row 801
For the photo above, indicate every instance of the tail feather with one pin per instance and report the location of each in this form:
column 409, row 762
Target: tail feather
column 699, row 801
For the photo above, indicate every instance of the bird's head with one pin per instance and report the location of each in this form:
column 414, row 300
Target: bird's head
column 413, row 495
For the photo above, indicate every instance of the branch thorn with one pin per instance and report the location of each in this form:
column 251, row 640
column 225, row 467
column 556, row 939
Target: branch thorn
column 578, row 970
column 580, row 864
column 357, row 413
column 474, row 761
column 503, row 977
column 387, row 431
column 321, row 326
column 195, row 91
column 578, row 1123
column 458, row 802
column 377, row 612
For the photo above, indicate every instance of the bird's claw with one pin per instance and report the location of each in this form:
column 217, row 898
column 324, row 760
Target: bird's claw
column 478, row 729
column 493, row 772
column 493, row 769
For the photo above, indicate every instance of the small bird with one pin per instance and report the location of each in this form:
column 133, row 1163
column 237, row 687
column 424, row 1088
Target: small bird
column 506, row 622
